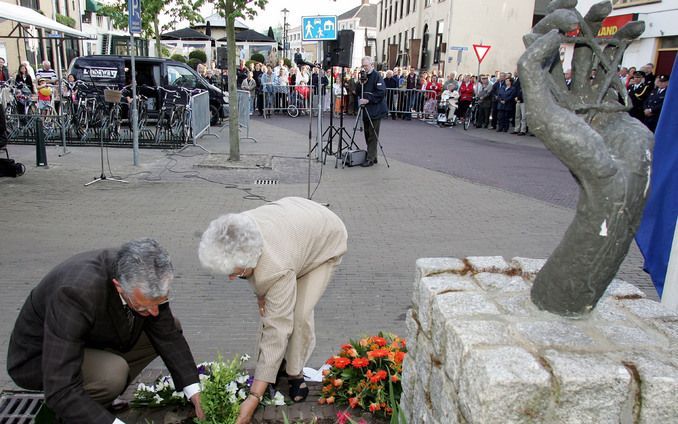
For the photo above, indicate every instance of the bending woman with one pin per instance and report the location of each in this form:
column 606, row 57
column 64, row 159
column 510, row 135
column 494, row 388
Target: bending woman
column 287, row 250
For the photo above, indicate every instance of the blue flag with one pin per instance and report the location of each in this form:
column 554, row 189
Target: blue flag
column 655, row 234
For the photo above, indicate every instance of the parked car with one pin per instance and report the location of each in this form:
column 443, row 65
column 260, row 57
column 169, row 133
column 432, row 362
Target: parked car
column 114, row 70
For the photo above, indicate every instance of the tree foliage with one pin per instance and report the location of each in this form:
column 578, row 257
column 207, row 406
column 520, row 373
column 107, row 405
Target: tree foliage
column 178, row 57
column 198, row 54
column 177, row 10
column 258, row 57
column 231, row 9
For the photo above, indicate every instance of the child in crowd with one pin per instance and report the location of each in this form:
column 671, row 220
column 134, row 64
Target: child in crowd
column 44, row 96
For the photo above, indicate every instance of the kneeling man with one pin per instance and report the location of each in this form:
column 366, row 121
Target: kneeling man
column 93, row 324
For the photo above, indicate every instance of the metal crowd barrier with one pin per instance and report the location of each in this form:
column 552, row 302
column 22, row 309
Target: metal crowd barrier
column 291, row 99
column 200, row 114
column 413, row 103
column 244, row 99
column 62, row 128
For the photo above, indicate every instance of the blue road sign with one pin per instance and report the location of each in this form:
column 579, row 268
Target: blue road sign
column 134, row 10
column 318, row 28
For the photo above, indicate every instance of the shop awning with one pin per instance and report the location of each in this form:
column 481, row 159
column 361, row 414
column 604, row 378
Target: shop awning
column 92, row 6
column 25, row 16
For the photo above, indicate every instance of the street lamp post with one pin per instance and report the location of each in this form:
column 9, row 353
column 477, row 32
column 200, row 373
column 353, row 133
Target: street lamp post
column 285, row 12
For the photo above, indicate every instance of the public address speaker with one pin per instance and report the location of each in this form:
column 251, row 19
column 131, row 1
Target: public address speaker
column 222, row 57
column 339, row 52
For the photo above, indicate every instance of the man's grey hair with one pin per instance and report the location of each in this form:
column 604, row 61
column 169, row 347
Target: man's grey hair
column 145, row 265
column 369, row 60
column 231, row 241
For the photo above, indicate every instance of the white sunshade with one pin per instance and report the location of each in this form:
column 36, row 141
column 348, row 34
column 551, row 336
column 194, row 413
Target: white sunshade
column 28, row 16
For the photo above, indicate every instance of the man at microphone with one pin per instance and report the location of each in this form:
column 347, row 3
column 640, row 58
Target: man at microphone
column 373, row 102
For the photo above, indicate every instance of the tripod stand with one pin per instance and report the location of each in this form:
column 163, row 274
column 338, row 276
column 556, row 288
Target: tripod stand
column 332, row 130
column 109, row 98
column 358, row 122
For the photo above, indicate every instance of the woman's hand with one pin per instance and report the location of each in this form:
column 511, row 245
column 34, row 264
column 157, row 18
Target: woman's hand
column 261, row 300
column 247, row 409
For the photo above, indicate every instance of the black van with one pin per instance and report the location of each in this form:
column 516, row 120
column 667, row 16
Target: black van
column 113, row 70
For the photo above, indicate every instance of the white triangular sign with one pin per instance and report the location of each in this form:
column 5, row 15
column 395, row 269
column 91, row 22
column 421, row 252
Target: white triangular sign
column 481, row 51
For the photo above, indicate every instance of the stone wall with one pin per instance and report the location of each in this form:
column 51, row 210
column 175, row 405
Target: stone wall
column 481, row 352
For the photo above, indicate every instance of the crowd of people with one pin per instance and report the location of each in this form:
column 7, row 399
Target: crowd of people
column 415, row 94
column 410, row 94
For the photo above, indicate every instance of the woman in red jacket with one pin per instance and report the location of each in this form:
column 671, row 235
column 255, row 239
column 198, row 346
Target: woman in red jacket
column 466, row 91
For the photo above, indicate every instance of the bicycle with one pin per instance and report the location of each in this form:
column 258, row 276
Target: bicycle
column 471, row 115
column 180, row 121
column 169, row 99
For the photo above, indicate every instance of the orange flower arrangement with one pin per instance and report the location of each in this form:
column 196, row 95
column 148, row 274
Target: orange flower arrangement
column 366, row 374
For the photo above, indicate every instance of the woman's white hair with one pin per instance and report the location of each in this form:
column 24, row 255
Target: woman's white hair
column 230, row 241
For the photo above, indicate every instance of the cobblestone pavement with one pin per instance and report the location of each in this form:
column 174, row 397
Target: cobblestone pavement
column 393, row 215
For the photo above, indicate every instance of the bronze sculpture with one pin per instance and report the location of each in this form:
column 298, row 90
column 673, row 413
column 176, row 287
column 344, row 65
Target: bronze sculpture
column 607, row 151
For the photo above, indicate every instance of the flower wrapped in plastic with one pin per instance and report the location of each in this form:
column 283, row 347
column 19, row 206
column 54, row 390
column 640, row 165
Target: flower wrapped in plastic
column 366, row 374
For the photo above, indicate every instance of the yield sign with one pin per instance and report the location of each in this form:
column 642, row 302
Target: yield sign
column 481, row 51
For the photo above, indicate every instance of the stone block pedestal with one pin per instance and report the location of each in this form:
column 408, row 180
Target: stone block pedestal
column 481, row 352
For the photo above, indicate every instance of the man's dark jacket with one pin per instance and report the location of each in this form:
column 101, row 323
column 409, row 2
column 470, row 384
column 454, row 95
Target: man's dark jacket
column 76, row 306
column 374, row 90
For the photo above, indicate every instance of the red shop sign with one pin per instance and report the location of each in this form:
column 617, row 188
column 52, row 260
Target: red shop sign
column 610, row 25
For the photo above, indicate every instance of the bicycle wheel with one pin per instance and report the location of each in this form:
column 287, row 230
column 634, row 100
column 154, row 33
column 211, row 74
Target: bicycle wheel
column 158, row 125
column 114, row 123
column 176, row 122
column 143, row 117
column 467, row 118
column 188, row 131
column 292, row 111
column 81, row 122
column 12, row 119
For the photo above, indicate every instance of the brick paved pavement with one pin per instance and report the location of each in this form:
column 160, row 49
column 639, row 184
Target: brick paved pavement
column 393, row 216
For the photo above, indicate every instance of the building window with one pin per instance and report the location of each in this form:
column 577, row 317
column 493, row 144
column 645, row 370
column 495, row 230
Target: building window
column 381, row 11
column 31, row 4
column 414, row 5
column 405, row 45
column 402, row 6
column 395, row 11
column 383, row 50
column 440, row 27
column 390, row 11
column 384, row 14
column 408, row 7
column 427, row 3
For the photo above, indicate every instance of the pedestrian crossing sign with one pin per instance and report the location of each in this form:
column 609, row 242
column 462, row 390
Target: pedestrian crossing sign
column 318, row 28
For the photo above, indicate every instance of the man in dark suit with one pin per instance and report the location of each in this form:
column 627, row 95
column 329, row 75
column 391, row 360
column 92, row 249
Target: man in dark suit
column 655, row 102
column 494, row 94
column 90, row 327
column 373, row 101
column 638, row 91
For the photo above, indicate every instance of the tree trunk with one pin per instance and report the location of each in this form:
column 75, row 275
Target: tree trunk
column 233, row 130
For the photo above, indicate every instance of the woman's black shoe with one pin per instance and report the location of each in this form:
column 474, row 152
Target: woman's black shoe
column 298, row 389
